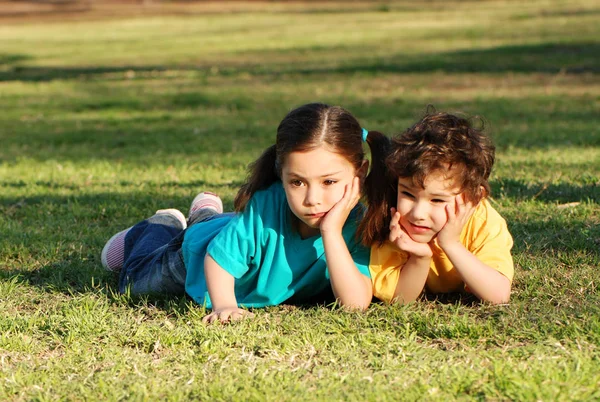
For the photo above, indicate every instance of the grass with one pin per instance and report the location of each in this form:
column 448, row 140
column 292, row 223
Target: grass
column 105, row 120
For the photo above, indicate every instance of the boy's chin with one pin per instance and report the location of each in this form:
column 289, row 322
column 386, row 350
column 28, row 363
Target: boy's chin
column 424, row 239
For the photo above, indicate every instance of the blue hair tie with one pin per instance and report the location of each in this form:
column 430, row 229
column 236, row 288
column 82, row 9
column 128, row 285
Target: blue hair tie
column 365, row 133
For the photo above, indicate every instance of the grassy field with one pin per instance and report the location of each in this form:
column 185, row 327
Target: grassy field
column 105, row 120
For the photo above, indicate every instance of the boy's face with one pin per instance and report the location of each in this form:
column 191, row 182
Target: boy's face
column 314, row 181
column 423, row 210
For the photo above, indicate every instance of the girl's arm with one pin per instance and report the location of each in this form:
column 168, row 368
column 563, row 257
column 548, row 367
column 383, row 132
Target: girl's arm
column 350, row 287
column 484, row 281
column 220, row 285
column 413, row 274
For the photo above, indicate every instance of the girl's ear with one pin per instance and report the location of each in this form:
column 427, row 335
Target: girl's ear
column 363, row 170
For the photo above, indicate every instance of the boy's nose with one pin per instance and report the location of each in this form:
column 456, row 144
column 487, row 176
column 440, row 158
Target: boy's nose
column 419, row 212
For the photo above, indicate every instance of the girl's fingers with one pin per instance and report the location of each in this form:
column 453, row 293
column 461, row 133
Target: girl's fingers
column 209, row 318
column 355, row 189
column 395, row 221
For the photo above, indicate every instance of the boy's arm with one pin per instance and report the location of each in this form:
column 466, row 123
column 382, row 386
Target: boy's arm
column 413, row 274
column 484, row 281
column 220, row 285
column 411, row 281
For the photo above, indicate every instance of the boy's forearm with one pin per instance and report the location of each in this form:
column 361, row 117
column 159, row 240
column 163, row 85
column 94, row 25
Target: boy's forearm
column 220, row 285
column 485, row 282
column 350, row 287
column 411, row 281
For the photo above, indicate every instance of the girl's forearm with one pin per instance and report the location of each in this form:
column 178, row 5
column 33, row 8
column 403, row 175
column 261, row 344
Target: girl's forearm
column 411, row 281
column 485, row 282
column 220, row 285
column 351, row 288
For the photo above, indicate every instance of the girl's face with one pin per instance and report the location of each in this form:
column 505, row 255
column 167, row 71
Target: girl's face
column 423, row 210
column 314, row 182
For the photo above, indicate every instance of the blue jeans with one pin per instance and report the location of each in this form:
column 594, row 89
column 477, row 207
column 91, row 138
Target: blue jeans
column 153, row 258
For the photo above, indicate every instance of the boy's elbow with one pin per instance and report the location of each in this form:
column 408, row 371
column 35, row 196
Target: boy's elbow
column 501, row 296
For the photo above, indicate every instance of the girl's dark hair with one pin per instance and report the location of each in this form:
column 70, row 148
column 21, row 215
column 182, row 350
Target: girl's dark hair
column 438, row 141
column 303, row 129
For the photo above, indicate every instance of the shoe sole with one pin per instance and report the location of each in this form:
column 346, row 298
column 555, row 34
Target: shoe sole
column 217, row 200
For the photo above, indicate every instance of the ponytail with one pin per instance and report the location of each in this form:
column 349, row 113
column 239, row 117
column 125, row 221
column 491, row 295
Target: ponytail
column 261, row 174
column 380, row 190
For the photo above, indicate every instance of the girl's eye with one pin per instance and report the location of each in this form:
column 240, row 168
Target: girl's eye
column 407, row 194
column 438, row 201
column 296, row 183
column 329, row 182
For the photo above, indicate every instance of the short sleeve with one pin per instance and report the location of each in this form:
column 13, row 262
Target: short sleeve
column 235, row 246
column 385, row 266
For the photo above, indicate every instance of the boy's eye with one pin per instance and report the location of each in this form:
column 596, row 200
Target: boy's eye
column 407, row 194
column 438, row 201
column 329, row 182
column 296, row 183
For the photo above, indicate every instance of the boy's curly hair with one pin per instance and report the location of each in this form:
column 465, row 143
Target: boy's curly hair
column 444, row 141
column 439, row 140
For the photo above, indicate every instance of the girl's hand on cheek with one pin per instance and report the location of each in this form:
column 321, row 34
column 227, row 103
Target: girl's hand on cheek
column 403, row 241
column 334, row 221
column 458, row 214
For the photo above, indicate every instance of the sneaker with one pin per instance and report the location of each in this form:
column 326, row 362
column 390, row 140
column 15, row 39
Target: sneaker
column 113, row 253
column 208, row 200
column 169, row 217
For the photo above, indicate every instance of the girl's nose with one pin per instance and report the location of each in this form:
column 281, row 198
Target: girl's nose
column 311, row 197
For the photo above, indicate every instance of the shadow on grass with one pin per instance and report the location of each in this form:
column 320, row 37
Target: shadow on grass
column 8, row 59
column 232, row 131
column 552, row 236
column 562, row 193
column 571, row 58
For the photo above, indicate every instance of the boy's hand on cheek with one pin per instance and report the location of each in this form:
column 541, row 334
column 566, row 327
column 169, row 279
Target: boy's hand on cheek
column 336, row 217
column 403, row 241
column 458, row 214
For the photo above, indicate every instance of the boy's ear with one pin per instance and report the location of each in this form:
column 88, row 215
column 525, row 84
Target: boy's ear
column 478, row 197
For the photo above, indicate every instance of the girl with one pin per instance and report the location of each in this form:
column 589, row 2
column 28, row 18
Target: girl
column 293, row 234
column 442, row 233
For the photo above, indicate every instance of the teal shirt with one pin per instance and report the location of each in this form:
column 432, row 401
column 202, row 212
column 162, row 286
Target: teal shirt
column 265, row 255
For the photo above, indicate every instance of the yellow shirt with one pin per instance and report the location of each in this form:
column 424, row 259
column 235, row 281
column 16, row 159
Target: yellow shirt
column 485, row 235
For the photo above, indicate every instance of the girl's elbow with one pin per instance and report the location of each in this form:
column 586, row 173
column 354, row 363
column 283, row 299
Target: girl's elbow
column 357, row 306
column 361, row 304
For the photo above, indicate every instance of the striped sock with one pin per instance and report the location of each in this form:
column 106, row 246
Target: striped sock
column 206, row 199
column 113, row 253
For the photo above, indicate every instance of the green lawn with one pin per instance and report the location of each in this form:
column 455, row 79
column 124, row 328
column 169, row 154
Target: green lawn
column 104, row 121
